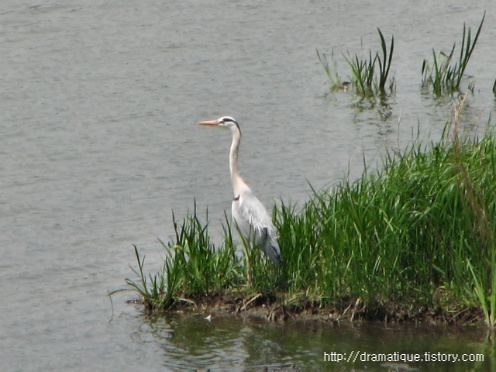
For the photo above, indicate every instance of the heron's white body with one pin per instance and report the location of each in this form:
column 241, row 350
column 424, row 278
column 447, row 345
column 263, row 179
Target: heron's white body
column 249, row 214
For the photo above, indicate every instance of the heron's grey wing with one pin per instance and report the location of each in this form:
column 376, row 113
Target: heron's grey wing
column 250, row 212
column 242, row 218
column 271, row 247
column 255, row 222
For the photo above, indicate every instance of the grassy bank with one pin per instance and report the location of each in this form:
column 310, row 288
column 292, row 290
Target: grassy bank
column 418, row 233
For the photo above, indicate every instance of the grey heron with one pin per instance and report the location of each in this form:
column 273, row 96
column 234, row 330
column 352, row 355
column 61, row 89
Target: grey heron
column 250, row 215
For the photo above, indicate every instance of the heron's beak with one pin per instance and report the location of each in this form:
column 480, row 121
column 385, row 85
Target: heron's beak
column 214, row 122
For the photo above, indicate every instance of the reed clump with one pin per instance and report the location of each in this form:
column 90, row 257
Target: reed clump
column 420, row 230
column 369, row 76
column 445, row 75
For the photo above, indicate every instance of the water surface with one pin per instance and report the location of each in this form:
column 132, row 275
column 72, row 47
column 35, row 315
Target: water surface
column 99, row 102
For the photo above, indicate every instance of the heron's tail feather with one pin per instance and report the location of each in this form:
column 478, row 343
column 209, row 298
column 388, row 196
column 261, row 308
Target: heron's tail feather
column 271, row 248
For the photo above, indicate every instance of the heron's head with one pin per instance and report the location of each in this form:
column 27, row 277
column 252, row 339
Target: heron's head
column 223, row 121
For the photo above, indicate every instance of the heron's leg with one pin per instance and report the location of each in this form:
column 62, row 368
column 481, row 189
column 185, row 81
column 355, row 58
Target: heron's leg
column 247, row 248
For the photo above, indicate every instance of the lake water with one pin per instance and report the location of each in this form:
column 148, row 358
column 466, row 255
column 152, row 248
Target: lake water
column 99, row 104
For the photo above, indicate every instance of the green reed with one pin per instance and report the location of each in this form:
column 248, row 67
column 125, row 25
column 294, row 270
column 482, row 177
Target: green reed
column 444, row 76
column 385, row 63
column 369, row 76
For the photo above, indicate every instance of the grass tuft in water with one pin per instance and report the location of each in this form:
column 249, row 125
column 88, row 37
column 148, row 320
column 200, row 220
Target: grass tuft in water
column 444, row 77
column 369, row 76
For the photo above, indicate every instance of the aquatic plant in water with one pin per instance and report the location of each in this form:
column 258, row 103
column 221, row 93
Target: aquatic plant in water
column 369, row 76
column 442, row 75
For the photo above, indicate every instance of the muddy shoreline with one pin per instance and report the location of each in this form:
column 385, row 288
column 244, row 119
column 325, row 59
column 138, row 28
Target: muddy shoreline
column 274, row 309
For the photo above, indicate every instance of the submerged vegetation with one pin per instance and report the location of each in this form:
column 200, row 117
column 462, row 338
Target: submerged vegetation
column 370, row 76
column 418, row 233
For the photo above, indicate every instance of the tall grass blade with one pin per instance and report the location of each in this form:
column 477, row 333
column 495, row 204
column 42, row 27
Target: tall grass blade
column 142, row 286
column 481, row 295
column 385, row 62
column 466, row 50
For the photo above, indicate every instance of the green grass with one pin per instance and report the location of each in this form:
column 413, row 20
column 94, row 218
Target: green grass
column 193, row 265
column 420, row 226
column 444, row 76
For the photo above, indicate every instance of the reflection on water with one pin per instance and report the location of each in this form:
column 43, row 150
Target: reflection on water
column 228, row 343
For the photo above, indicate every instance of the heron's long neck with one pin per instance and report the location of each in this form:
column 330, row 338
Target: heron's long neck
column 236, row 179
